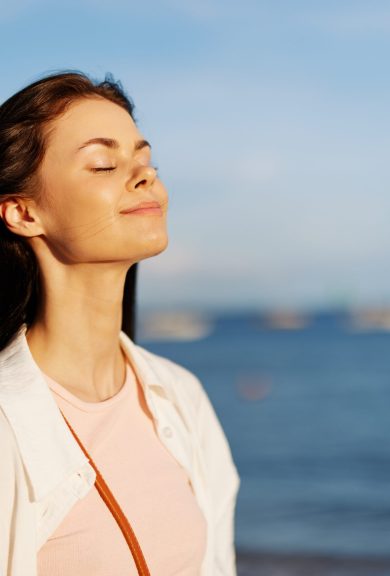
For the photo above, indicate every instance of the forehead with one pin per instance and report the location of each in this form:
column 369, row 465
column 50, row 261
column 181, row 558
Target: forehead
column 90, row 118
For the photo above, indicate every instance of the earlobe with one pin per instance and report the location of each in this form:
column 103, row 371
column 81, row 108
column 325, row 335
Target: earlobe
column 20, row 218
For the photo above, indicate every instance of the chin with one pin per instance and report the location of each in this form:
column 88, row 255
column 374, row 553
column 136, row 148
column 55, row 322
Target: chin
column 160, row 246
column 153, row 248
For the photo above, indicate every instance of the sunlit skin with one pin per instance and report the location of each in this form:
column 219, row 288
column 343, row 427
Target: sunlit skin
column 96, row 169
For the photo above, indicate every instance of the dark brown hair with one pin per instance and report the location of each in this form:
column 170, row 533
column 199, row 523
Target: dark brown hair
column 24, row 119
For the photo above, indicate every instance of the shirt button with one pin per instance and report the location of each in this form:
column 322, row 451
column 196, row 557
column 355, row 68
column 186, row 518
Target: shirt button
column 167, row 432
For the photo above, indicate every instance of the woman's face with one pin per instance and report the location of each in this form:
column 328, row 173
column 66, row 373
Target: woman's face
column 101, row 199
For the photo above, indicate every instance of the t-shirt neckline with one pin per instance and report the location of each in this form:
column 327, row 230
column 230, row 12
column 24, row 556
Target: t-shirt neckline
column 86, row 406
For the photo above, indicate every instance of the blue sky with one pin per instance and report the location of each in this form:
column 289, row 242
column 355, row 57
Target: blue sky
column 270, row 125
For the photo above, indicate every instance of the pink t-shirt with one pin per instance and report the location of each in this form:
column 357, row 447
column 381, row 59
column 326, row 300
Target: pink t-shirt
column 151, row 487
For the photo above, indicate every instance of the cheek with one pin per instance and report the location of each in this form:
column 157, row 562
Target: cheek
column 82, row 221
column 78, row 210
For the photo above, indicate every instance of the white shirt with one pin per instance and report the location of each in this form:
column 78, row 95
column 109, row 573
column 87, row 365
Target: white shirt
column 43, row 472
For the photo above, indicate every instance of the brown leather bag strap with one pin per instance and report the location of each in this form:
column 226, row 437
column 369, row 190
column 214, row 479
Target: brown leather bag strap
column 110, row 501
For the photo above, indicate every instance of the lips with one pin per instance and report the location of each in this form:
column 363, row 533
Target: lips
column 144, row 208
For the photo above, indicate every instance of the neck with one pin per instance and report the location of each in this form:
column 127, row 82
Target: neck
column 75, row 337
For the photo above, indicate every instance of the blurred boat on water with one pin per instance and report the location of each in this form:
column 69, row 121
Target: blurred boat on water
column 354, row 320
column 370, row 319
column 177, row 326
column 185, row 325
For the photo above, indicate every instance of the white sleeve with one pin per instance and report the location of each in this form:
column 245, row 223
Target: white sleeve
column 7, row 493
column 223, row 483
column 17, row 514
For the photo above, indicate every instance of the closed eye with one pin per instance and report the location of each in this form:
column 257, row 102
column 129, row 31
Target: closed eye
column 103, row 169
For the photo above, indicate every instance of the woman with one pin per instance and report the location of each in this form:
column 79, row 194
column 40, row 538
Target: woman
column 113, row 461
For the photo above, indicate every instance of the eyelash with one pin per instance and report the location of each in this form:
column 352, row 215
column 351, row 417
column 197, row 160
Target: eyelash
column 111, row 168
column 104, row 169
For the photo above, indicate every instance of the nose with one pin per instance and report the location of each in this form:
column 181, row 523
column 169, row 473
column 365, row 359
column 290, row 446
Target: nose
column 144, row 178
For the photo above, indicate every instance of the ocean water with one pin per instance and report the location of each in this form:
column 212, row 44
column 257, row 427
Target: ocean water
column 307, row 415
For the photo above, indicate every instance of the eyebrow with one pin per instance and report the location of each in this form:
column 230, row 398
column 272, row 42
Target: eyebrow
column 114, row 144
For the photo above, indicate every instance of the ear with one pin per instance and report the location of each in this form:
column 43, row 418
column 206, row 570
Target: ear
column 20, row 217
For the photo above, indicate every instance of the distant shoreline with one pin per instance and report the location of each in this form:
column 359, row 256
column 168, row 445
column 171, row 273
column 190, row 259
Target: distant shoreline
column 251, row 563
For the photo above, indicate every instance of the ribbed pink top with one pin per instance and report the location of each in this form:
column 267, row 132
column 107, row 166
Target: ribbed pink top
column 152, row 489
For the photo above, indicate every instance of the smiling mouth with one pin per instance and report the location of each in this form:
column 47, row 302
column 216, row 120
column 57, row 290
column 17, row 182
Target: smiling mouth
column 144, row 208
